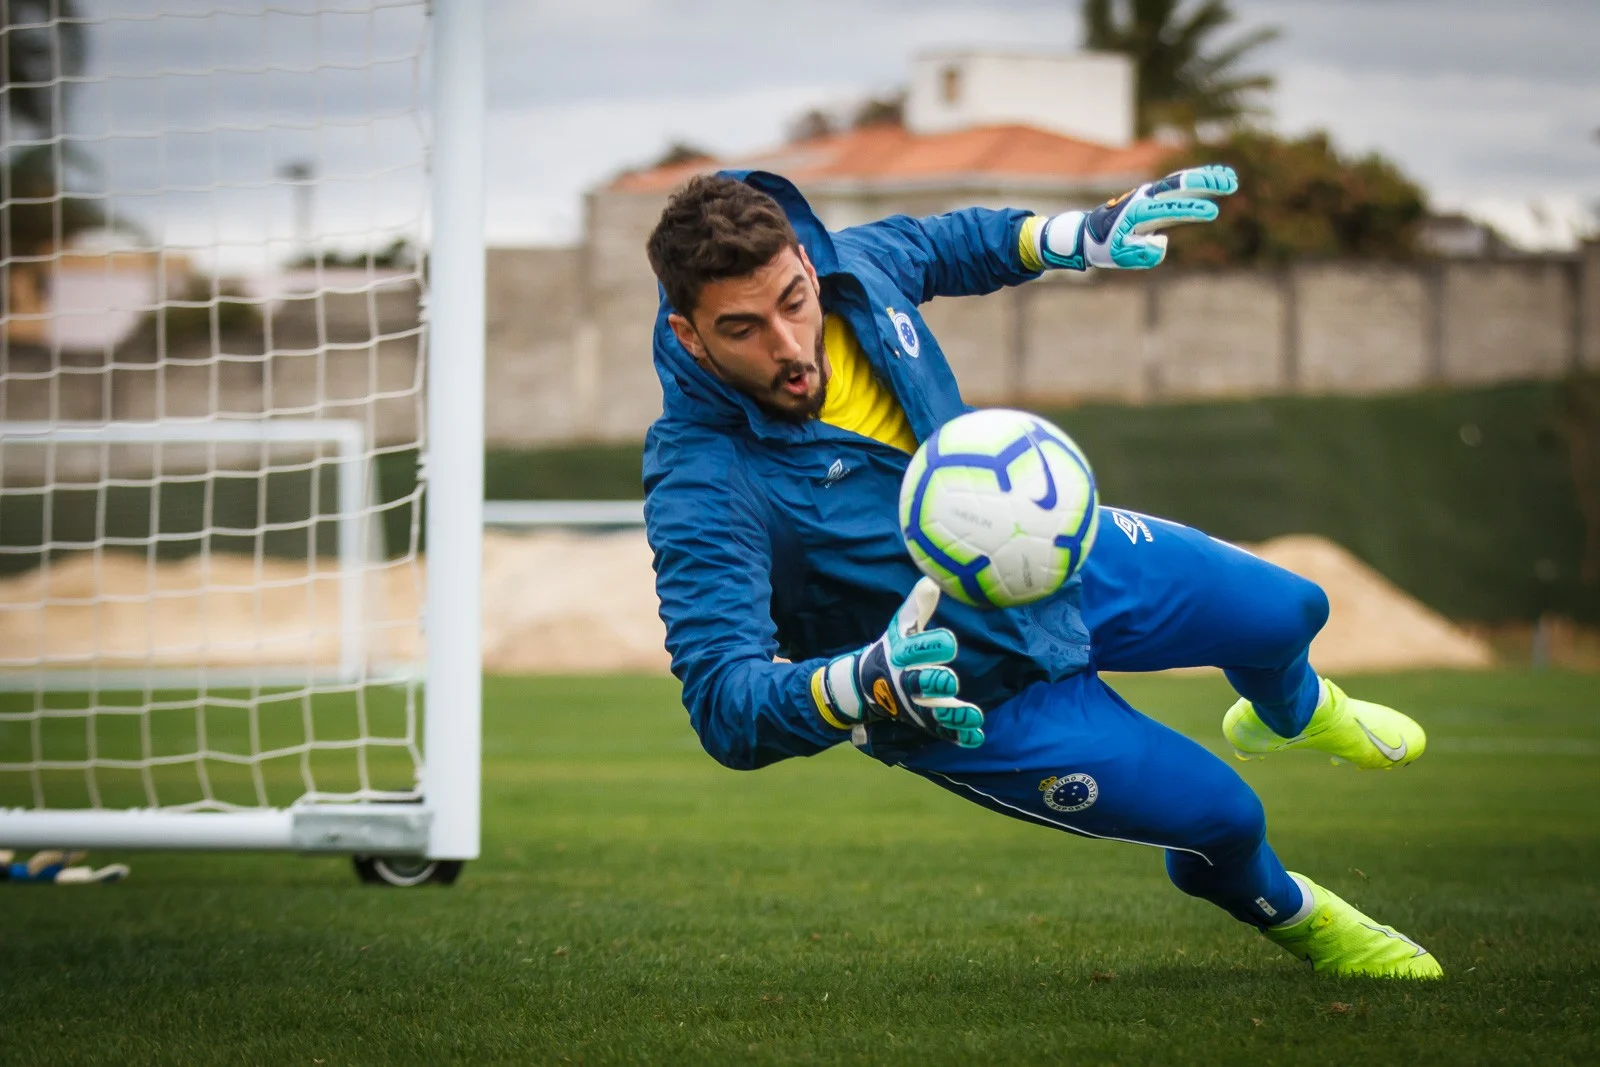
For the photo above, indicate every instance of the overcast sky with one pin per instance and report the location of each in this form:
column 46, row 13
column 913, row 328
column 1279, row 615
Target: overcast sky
column 1492, row 104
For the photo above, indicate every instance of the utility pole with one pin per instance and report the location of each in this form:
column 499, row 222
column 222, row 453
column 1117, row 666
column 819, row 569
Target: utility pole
column 301, row 172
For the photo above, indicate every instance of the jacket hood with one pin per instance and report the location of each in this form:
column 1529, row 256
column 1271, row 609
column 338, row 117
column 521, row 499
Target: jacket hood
column 691, row 394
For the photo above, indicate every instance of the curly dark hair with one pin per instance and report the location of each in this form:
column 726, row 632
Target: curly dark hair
column 714, row 228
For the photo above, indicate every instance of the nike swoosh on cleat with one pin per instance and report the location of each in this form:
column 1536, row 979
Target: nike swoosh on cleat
column 1395, row 755
column 1398, row 936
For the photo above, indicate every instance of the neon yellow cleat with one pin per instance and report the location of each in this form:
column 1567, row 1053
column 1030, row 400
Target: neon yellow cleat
column 1337, row 939
column 1368, row 735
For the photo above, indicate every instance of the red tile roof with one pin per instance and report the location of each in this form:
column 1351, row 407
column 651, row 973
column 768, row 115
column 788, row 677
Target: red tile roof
column 892, row 155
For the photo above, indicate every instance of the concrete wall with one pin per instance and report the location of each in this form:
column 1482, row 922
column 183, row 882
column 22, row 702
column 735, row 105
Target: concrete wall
column 537, row 387
column 1363, row 329
column 1083, row 339
column 569, row 341
column 1507, row 320
column 977, row 334
column 1172, row 333
column 1217, row 334
column 334, row 356
column 1588, row 310
column 1338, row 327
column 622, row 292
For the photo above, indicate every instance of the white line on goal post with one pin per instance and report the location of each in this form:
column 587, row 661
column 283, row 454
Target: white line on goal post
column 354, row 487
column 537, row 514
column 453, row 724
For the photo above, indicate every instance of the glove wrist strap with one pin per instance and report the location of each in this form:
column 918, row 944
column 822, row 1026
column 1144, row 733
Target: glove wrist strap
column 833, row 687
column 1061, row 242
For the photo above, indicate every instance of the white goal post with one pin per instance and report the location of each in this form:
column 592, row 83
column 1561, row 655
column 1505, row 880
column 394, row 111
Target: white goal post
column 240, row 350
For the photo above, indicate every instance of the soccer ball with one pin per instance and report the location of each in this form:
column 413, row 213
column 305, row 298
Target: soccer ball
column 999, row 508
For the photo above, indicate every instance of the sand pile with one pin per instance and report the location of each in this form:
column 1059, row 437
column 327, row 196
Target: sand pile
column 570, row 602
column 551, row 602
column 1372, row 625
column 118, row 610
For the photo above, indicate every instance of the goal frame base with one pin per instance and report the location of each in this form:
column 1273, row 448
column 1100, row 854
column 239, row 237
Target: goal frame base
column 375, row 829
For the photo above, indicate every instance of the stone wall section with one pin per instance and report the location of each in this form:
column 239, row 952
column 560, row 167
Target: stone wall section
column 1085, row 339
column 1217, row 334
column 1361, row 329
column 569, row 341
column 1507, row 320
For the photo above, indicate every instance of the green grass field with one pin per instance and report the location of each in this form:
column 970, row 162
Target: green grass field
column 636, row 903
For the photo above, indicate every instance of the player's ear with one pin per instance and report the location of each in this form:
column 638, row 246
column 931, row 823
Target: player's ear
column 811, row 272
column 687, row 336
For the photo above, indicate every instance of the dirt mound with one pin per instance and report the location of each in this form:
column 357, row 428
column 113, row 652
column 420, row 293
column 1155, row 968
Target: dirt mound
column 552, row 602
column 121, row 610
column 1373, row 625
column 570, row 602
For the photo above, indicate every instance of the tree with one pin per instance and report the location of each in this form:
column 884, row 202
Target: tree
column 880, row 111
column 1299, row 199
column 45, row 44
column 811, row 126
column 36, row 213
column 1579, row 425
column 1180, row 83
column 680, row 152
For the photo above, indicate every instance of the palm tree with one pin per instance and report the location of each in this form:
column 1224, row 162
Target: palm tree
column 46, row 41
column 45, row 46
column 1181, row 84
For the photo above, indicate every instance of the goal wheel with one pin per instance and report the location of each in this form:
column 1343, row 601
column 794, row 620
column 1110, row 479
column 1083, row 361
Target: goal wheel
column 405, row 871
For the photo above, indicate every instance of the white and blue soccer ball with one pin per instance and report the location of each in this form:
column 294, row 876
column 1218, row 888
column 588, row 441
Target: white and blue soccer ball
column 999, row 508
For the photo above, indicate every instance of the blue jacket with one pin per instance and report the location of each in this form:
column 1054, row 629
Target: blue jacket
column 776, row 538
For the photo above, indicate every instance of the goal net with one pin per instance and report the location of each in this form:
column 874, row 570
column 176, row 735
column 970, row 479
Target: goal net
column 220, row 421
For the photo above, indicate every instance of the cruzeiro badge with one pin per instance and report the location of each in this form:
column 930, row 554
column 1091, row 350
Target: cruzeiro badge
column 906, row 331
column 1070, row 792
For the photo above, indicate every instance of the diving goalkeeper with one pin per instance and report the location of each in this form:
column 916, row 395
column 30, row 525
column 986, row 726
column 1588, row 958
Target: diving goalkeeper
column 798, row 377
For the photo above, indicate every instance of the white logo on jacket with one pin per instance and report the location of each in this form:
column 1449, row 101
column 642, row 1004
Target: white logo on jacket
column 906, row 330
column 835, row 471
column 1131, row 525
column 1070, row 792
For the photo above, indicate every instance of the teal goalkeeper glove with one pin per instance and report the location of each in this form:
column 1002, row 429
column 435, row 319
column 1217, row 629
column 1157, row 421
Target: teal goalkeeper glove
column 901, row 677
column 1122, row 232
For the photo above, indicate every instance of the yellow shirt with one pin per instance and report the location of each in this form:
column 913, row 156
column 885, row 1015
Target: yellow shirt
column 856, row 400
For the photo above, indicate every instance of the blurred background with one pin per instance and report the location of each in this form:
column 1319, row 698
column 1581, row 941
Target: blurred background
column 1390, row 342
column 1380, row 368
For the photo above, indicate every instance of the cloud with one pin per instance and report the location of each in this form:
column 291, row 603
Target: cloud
column 541, row 157
column 1453, row 131
column 1483, row 101
column 1551, row 41
column 545, row 52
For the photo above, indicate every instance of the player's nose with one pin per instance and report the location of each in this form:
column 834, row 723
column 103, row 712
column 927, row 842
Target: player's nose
column 786, row 346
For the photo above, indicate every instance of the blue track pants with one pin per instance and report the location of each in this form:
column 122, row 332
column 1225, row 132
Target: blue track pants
column 1076, row 756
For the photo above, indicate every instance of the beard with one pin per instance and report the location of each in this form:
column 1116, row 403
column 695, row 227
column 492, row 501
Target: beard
column 770, row 396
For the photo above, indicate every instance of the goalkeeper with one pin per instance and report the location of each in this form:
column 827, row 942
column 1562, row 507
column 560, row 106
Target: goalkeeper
column 798, row 377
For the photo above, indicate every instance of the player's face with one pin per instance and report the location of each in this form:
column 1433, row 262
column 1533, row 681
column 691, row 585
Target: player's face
column 762, row 334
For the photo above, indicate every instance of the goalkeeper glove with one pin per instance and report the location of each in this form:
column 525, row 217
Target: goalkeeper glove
column 901, row 677
column 1121, row 233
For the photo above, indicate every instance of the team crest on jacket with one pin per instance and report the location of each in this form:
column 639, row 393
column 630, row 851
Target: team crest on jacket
column 1070, row 792
column 906, row 330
